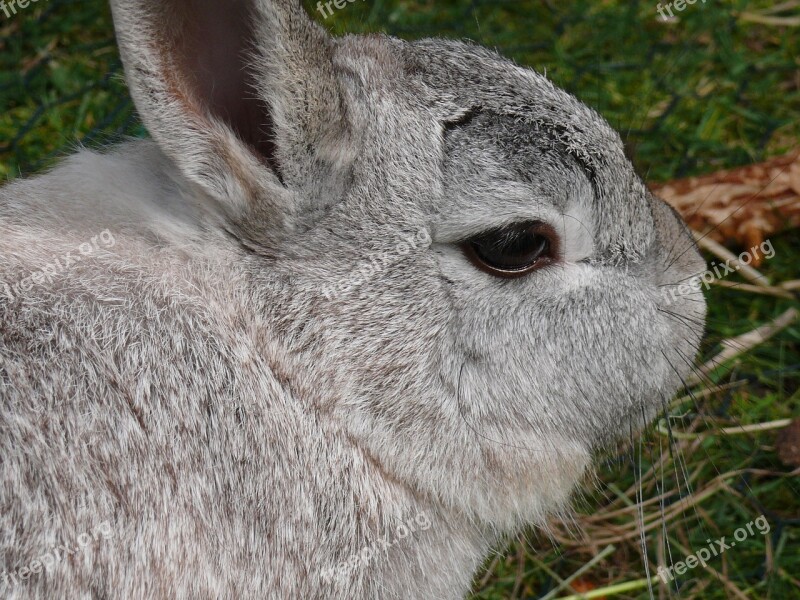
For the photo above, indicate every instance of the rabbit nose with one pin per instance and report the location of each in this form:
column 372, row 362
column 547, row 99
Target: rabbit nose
column 675, row 249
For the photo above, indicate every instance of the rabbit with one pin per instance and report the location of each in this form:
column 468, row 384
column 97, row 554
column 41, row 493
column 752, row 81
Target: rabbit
column 358, row 311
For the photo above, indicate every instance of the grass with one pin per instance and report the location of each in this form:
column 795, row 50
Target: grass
column 719, row 88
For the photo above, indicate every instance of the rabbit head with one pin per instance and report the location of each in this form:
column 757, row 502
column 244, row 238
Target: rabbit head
column 461, row 267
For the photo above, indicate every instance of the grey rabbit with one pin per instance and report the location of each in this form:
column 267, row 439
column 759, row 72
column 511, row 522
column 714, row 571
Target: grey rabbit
column 358, row 311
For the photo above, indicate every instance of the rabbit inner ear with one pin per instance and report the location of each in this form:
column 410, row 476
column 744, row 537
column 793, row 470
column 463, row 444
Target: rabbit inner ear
column 211, row 54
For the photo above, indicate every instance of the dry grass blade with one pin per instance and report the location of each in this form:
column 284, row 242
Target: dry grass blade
column 770, row 20
column 778, row 292
column 738, row 345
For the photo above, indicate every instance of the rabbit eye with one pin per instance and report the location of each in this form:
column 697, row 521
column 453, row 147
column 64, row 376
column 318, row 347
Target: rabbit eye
column 513, row 251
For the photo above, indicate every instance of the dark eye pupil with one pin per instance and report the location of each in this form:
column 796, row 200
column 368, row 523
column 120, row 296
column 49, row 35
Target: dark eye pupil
column 512, row 250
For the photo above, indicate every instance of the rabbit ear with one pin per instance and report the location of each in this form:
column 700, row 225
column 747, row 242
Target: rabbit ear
column 237, row 93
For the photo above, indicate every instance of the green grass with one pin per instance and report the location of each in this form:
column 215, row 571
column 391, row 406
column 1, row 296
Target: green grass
column 707, row 92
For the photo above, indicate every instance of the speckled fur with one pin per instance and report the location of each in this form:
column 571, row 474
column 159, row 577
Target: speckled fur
column 240, row 431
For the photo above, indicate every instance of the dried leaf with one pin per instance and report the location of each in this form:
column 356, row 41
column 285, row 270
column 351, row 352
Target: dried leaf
column 745, row 205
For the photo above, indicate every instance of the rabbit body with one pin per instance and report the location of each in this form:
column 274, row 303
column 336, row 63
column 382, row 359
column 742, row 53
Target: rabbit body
column 249, row 358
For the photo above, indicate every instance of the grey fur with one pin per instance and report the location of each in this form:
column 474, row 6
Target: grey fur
column 240, row 432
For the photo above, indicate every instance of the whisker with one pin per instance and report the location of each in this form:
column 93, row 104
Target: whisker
column 641, row 512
